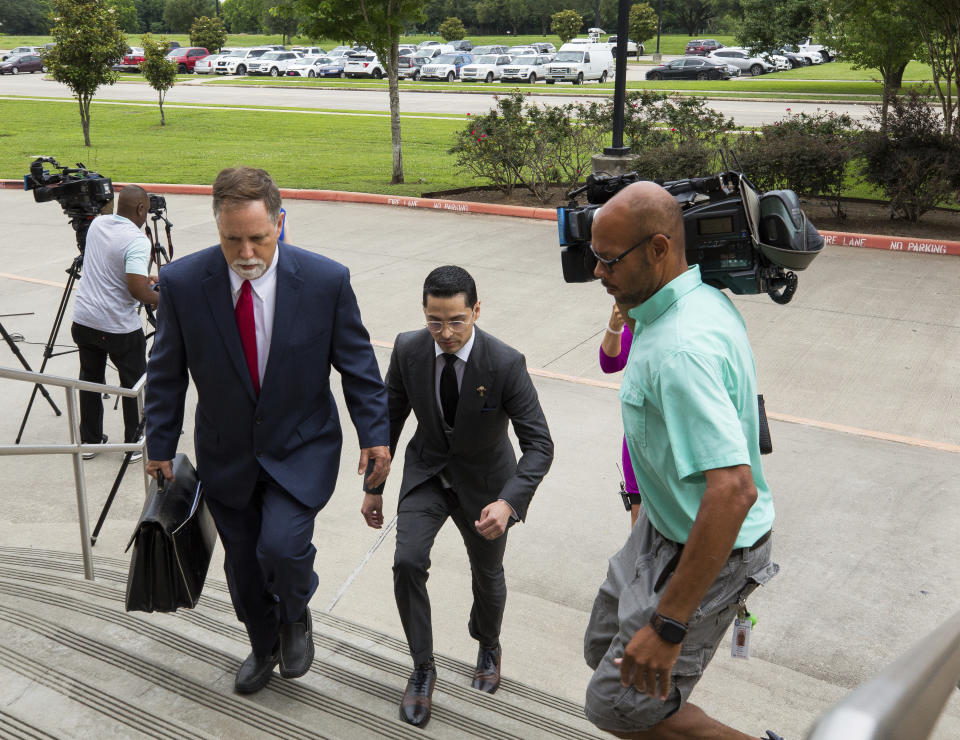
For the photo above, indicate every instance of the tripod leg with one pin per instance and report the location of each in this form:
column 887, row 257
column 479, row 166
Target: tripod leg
column 73, row 273
column 26, row 366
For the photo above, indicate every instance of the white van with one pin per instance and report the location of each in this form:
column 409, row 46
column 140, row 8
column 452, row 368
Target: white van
column 581, row 60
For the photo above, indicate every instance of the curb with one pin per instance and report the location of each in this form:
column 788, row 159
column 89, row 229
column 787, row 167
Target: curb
column 838, row 238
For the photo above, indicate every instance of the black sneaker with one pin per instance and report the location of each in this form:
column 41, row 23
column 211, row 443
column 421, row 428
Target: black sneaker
column 91, row 455
column 771, row 735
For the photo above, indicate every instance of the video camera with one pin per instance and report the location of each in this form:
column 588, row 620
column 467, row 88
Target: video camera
column 80, row 192
column 742, row 240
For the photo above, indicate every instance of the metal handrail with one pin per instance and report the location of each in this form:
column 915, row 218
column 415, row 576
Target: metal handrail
column 76, row 448
column 906, row 699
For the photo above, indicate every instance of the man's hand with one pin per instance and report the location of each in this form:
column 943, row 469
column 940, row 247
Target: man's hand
column 494, row 519
column 164, row 466
column 372, row 510
column 381, row 464
column 647, row 659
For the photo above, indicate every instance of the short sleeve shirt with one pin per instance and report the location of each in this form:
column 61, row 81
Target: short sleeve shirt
column 689, row 404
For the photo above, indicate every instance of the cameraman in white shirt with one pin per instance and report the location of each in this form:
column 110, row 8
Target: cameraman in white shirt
column 116, row 263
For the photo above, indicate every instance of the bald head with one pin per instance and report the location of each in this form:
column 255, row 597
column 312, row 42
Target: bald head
column 641, row 229
column 644, row 208
column 133, row 203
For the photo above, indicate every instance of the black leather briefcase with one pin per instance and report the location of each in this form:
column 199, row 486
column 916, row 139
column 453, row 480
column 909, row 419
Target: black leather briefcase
column 172, row 544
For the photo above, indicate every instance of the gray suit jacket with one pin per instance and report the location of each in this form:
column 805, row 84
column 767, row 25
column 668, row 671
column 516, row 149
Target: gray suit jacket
column 478, row 457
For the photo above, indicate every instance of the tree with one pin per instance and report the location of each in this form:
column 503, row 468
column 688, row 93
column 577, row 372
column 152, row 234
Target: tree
column 179, row 14
column 939, row 27
column 210, row 33
column 126, row 14
column 88, row 42
column 643, row 22
column 24, row 17
column 767, row 26
column 376, row 23
column 243, row 16
column 159, row 72
column 874, row 34
column 693, row 15
column 282, row 17
column 149, row 15
column 452, row 29
column 566, row 24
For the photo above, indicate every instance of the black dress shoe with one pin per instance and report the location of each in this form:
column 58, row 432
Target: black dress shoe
column 771, row 735
column 487, row 676
column 296, row 646
column 255, row 672
column 418, row 698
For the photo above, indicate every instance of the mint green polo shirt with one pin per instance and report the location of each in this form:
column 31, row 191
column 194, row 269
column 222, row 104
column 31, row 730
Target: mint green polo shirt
column 689, row 402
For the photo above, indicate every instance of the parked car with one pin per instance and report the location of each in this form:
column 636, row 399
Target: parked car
column 809, row 57
column 238, row 60
column 480, row 51
column 434, row 51
column 308, row 51
column 526, row 68
column 692, row 68
column 777, row 60
column 131, row 60
column 15, row 64
column 408, row 47
column 408, row 66
column 364, row 66
column 445, row 66
column 462, row 45
column 318, row 67
column 701, row 47
column 515, row 51
column 20, row 50
column 486, row 68
column 742, row 59
column 633, row 48
column 208, row 65
column 186, row 58
column 273, row 63
column 425, row 44
column 826, row 55
column 544, row 47
column 579, row 62
column 795, row 59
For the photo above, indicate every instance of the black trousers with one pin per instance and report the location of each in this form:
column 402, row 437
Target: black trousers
column 269, row 554
column 420, row 515
column 128, row 353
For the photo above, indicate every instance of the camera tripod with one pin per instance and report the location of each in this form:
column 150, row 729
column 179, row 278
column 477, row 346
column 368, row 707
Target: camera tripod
column 80, row 225
column 23, row 361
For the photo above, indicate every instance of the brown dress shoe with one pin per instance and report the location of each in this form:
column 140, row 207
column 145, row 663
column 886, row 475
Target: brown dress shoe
column 417, row 699
column 487, row 676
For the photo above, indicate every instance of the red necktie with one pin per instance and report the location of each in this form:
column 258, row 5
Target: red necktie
column 248, row 333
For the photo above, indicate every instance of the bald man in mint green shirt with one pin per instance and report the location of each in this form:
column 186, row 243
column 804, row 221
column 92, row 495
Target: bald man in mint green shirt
column 701, row 543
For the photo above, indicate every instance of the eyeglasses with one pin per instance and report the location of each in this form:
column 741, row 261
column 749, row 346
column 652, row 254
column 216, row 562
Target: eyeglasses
column 436, row 327
column 609, row 263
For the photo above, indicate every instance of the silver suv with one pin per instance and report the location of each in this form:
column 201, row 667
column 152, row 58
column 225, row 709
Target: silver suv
column 237, row 62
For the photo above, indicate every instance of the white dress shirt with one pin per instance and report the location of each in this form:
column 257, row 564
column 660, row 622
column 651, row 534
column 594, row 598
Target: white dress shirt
column 264, row 294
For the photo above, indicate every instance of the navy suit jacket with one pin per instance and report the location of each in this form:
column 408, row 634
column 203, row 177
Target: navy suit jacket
column 292, row 430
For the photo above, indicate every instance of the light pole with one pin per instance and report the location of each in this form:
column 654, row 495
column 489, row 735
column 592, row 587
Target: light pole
column 659, row 23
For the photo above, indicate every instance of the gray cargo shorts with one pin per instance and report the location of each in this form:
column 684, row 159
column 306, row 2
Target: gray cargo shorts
column 625, row 603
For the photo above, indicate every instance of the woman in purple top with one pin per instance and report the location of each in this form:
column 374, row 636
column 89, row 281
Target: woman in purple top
column 614, row 350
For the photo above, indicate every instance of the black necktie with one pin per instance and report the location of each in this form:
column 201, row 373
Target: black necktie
column 449, row 392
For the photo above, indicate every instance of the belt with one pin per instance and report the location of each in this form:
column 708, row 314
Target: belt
column 675, row 560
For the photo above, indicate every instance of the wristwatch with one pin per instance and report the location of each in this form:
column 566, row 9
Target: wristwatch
column 669, row 629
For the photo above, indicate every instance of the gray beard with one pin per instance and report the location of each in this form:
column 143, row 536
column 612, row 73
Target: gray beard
column 249, row 274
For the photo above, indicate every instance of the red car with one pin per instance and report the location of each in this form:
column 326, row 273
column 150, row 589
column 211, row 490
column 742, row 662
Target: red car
column 131, row 60
column 701, row 47
column 187, row 57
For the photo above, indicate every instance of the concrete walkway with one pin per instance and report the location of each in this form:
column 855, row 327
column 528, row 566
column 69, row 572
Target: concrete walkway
column 865, row 531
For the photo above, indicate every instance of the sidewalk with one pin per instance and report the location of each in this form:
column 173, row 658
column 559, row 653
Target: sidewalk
column 865, row 531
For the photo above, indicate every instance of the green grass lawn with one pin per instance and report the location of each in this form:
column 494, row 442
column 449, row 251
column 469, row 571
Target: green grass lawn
column 334, row 152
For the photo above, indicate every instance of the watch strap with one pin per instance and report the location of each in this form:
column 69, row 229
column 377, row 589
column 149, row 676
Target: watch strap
column 668, row 629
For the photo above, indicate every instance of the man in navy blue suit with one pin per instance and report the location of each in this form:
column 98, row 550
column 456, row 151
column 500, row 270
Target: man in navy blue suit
column 258, row 323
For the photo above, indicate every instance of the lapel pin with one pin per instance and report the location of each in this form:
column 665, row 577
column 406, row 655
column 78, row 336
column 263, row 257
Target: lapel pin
column 481, row 391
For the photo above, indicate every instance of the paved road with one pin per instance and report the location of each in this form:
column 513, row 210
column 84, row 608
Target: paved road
column 746, row 113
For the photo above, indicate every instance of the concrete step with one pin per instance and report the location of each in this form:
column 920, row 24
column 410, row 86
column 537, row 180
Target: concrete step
column 78, row 665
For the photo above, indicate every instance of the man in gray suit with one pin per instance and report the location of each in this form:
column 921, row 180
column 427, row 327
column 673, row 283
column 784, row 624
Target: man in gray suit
column 463, row 385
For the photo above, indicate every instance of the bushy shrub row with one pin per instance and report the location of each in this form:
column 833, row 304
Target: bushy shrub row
column 912, row 162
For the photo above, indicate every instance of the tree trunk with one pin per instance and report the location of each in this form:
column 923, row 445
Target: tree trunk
column 392, row 62
column 162, row 121
column 892, row 82
column 84, row 101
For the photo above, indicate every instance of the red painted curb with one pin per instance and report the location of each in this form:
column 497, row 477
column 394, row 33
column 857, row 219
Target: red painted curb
column 839, row 238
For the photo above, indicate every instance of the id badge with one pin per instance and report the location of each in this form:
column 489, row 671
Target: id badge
column 740, row 646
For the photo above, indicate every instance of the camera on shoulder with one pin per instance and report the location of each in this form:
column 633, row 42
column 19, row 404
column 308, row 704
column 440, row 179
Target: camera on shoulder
column 743, row 240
